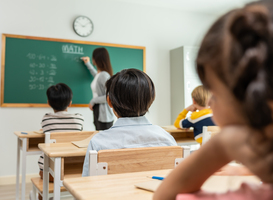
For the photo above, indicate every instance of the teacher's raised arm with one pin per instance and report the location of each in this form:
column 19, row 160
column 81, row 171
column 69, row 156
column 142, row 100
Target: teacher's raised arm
column 102, row 113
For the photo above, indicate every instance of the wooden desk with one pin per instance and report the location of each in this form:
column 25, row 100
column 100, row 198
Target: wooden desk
column 181, row 136
column 113, row 186
column 28, row 144
column 121, row 186
column 172, row 129
column 66, row 161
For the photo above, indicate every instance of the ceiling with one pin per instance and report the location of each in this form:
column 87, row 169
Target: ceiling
column 201, row 6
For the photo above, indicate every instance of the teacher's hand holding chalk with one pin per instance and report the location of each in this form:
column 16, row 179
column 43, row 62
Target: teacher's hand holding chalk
column 85, row 59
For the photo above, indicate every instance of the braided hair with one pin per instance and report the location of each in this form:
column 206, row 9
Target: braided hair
column 239, row 49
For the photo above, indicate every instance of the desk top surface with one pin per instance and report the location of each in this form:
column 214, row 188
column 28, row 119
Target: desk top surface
column 39, row 134
column 118, row 186
column 54, row 150
column 173, row 129
column 30, row 134
column 122, row 186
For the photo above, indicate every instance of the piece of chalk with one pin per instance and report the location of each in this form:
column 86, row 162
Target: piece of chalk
column 24, row 133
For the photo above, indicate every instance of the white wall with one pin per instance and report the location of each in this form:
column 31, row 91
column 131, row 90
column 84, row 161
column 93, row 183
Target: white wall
column 158, row 29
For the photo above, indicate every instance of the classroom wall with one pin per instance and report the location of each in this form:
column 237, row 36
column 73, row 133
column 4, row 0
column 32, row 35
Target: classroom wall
column 158, row 29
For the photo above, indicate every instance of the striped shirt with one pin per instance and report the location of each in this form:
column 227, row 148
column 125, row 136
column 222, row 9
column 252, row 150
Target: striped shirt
column 197, row 120
column 60, row 122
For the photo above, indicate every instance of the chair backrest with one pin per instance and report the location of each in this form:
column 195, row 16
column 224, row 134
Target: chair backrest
column 208, row 132
column 62, row 137
column 113, row 161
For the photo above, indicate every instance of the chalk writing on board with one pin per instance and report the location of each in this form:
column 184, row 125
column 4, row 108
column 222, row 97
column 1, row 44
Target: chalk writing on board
column 52, row 72
column 52, row 66
column 36, row 86
column 41, row 57
column 31, row 56
column 72, row 49
column 42, row 70
column 53, row 58
column 73, row 57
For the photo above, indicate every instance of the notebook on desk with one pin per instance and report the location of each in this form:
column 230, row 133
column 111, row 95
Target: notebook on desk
column 39, row 132
column 84, row 143
column 149, row 185
column 218, row 184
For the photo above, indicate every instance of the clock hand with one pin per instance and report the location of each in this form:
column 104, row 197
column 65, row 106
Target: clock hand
column 86, row 24
column 80, row 24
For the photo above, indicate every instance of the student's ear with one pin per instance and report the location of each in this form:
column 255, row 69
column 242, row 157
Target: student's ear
column 193, row 101
column 109, row 101
column 69, row 104
column 48, row 103
column 111, row 106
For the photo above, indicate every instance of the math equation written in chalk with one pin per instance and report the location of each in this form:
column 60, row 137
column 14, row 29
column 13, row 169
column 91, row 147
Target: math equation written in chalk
column 42, row 71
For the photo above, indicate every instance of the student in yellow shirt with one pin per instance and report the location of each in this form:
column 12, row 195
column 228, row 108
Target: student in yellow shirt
column 201, row 113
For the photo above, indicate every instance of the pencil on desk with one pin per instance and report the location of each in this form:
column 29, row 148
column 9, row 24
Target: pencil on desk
column 156, row 177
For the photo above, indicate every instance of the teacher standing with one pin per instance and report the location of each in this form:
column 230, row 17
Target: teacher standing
column 103, row 114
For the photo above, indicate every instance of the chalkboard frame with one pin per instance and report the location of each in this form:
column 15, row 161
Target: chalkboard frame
column 3, row 53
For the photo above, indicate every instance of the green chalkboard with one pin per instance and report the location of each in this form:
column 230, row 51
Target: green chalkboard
column 31, row 64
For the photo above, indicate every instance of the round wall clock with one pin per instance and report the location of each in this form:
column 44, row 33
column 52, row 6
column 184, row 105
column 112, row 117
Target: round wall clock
column 83, row 26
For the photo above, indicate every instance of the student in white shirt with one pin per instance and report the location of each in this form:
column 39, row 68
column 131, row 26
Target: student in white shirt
column 130, row 93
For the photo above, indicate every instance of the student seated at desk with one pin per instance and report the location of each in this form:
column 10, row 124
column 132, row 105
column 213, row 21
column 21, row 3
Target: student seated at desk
column 198, row 119
column 235, row 61
column 130, row 93
column 59, row 97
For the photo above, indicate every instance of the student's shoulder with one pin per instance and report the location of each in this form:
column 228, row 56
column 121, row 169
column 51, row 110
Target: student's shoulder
column 195, row 115
column 202, row 113
column 163, row 133
column 156, row 127
column 160, row 131
column 100, row 136
column 77, row 115
column 47, row 115
column 62, row 115
column 47, row 118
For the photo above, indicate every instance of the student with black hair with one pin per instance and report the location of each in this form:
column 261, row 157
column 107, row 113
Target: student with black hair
column 59, row 97
column 130, row 93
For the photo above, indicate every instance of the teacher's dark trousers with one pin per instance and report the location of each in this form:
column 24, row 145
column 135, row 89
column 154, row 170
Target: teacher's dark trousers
column 100, row 126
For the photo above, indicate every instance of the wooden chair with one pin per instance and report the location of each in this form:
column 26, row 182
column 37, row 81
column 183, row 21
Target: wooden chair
column 58, row 137
column 208, row 132
column 113, row 161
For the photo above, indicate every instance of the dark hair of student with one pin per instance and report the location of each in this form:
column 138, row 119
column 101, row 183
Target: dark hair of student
column 131, row 92
column 59, row 96
column 239, row 49
column 102, row 59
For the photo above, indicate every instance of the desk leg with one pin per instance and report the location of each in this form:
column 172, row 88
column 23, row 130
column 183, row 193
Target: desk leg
column 57, row 179
column 45, row 177
column 18, row 170
column 24, row 163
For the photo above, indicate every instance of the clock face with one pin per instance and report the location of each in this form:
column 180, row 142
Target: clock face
column 83, row 26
